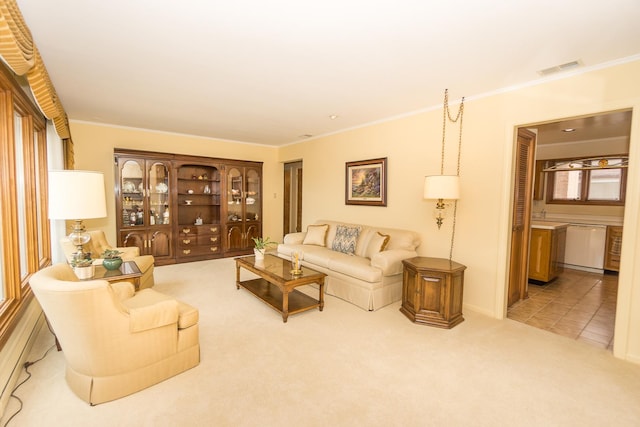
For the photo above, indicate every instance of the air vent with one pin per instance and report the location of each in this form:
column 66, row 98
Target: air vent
column 561, row 67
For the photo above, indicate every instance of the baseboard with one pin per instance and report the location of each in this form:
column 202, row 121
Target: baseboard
column 479, row 310
column 582, row 268
column 16, row 350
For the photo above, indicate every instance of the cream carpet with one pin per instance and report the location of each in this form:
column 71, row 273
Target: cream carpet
column 348, row 367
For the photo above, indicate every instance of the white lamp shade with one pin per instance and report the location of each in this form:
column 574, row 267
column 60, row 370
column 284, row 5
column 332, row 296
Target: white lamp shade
column 442, row 187
column 76, row 195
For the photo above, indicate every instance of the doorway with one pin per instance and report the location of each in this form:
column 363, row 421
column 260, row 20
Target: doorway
column 292, row 209
column 581, row 137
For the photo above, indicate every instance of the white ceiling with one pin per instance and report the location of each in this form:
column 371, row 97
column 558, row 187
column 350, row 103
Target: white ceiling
column 269, row 72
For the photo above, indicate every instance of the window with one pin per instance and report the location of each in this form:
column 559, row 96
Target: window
column 24, row 227
column 600, row 181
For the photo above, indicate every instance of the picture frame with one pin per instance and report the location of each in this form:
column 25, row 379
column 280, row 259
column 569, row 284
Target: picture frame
column 366, row 182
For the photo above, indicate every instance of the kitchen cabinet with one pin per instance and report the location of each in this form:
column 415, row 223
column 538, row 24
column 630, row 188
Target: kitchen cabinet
column 613, row 247
column 538, row 181
column 432, row 291
column 143, row 199
column 546, row 251
column 243, row 219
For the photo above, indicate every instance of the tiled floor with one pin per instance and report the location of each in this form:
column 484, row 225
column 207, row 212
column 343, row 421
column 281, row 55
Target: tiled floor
column 578, row 305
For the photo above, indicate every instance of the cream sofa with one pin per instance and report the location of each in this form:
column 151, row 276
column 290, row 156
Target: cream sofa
column 357, row 271
column 115, row 342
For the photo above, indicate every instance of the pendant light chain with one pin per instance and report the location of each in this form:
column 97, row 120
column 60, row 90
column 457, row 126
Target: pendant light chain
column 447, row 115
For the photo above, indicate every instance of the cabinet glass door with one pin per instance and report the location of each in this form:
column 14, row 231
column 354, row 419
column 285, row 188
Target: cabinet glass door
column 253, row 196
column 132, row 193
column 235, row 192
column 158, row 194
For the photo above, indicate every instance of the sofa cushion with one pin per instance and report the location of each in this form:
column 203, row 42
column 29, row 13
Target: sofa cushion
column 318, row 256
column 316, row 235
column 354, row 266
column 377, row 243
column 346, row 239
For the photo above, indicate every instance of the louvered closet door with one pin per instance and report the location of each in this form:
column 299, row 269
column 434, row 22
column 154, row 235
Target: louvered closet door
column 523, row 187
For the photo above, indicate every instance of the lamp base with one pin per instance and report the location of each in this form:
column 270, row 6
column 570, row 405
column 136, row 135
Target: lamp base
column 79, row 237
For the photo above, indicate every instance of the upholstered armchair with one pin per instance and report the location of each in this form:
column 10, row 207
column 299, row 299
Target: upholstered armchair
column 98, row 244
column 115, row 342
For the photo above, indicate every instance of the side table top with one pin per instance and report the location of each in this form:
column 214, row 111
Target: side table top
column 434, row 264
column 128, row 270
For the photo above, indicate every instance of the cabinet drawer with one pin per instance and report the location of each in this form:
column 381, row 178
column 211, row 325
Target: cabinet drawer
column 208, row 240
column 210, row 229
column 198, row 250
column 185, row 230
column 186, row 240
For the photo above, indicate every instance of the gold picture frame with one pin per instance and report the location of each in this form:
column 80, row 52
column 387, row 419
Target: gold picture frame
column 366, row 182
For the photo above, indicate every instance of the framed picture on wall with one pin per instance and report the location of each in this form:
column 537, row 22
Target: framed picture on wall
column 366, row 182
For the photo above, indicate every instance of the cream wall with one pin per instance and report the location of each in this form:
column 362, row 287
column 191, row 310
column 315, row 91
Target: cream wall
column 412, row 146
column 94, row 145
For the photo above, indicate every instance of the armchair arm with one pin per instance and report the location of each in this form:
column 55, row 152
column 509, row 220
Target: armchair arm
column 123, row 290
column 129, row 252
column 161, row 313
column 390, row 262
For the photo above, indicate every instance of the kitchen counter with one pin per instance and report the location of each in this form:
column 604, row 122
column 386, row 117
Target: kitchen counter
column 548, row 225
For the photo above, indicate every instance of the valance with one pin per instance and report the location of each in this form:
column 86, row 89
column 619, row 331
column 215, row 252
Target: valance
column 43, row 90
column 16, row 43
column 21, row 55
column 61, row 124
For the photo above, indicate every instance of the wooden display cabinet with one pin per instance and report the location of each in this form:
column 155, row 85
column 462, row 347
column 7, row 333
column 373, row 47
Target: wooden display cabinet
column 243, row 215
column 198, row 204
column 182, row 208
column 432, row 291
column 143, row 201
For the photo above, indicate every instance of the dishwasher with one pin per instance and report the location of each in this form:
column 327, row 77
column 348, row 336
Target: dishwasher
column 585, row 247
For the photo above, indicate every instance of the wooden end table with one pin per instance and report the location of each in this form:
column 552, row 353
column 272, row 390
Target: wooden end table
column 128, row 272
column 276, row 285
column 432, row 291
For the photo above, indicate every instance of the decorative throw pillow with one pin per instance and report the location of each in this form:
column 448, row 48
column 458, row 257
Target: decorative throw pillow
column 377, row 243
column 346, row 239
column 316, row 234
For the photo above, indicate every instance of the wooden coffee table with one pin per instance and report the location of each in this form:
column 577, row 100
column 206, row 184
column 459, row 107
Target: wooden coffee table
column 276, row 285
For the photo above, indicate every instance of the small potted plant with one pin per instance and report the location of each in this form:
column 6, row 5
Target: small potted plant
column 111, row 259
column 83, row 268
column 261, row 245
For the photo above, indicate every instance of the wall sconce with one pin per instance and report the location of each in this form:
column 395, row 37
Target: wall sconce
column 441, row 188
column 446, row 187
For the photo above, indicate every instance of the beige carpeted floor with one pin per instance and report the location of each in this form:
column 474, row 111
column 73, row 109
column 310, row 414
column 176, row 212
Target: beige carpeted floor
column 348, row 367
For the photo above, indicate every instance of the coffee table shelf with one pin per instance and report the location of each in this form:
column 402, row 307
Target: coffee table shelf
column 273, row 296
column 276, row 285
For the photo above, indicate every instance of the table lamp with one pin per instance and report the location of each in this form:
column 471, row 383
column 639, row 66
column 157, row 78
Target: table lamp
column 77, row 195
